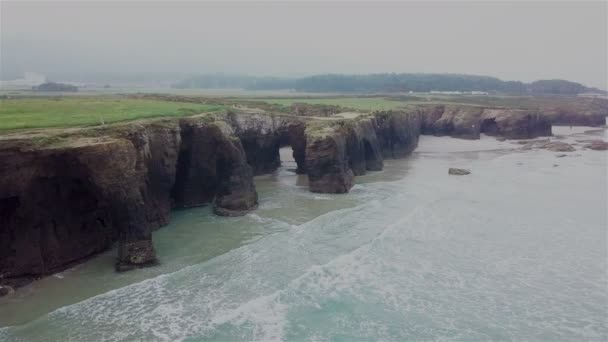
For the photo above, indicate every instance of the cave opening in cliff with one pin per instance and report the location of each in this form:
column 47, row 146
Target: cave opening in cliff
column 262, row 153
column 288, row 162
column 291, row 151
column 489, row 127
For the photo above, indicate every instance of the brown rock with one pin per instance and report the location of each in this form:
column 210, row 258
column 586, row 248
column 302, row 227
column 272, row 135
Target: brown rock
column 327, row 163
column 458, row 172
column 337, row 152
column 64, row 199
column 467, row 121
column 597, row 145
column 558, row 146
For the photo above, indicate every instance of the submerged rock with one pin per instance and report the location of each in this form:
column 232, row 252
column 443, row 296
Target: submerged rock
column 558, row 146
column 555, row 146
column 458, row 172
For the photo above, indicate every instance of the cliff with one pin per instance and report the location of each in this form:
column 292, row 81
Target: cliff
column 69, row 196
column 340, row 150
column 468, row 122
column 66, row 195
column 578, row 112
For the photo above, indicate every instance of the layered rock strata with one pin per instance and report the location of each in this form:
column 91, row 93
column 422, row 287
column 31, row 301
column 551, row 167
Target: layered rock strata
column 468, row 122
column 68, row 195
column 63, row 199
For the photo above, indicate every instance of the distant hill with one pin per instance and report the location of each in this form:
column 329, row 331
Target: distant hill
column 435, row 82
column 557, row 87
column 387, row 83
column 56, row 87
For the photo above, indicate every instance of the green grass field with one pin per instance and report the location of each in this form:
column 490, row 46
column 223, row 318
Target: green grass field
column 87, row 111
column 359, row 103
column 396, row 101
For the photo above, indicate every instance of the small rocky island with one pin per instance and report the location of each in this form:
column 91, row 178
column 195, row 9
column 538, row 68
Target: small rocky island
column 69, row 194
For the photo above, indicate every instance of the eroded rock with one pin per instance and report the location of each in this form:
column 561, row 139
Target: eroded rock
column 340, row 150
column 555, row 146
column 212, row 167
column 327, row 162
column 468, row 122
column 598, row 145
column 558, row 146
column 69, row 198
column 458, row 172
column 64, row 199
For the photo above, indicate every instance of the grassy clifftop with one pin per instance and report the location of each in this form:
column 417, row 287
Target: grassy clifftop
column 25, row 113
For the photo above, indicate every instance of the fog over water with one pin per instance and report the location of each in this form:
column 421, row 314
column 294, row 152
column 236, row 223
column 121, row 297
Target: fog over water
column 510, row 40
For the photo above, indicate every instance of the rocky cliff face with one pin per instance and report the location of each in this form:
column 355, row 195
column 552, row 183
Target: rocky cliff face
column 64, row 199
column 514, row 123
column 263, row 134
column 63, row 203
column 327, row 161
column 467, row 122
column 337, row 152
column 212, row 166
column 582, row 112
column 69, row 195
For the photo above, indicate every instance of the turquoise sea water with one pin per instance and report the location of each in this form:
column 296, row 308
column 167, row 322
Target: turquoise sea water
column 514, row 251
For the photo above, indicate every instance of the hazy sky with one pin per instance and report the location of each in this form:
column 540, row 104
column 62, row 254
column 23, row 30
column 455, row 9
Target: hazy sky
column 510, row 40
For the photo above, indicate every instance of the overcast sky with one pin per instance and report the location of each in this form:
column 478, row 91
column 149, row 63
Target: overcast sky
column 510, row 40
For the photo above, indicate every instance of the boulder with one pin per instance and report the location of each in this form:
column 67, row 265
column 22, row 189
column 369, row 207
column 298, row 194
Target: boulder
column 458, row 172
column 558, row 146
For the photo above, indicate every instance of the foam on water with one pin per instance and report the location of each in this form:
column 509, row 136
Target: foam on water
column 516, row 250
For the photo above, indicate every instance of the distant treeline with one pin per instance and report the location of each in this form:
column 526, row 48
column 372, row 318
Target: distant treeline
column 226, row 81
column 386, row 83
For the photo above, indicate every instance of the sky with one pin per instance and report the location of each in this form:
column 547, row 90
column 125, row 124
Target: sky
column 510, row 40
